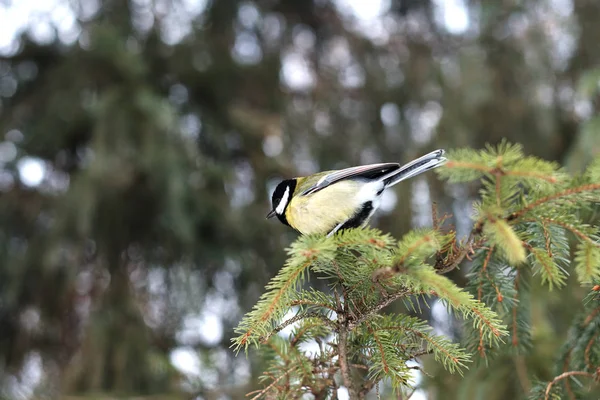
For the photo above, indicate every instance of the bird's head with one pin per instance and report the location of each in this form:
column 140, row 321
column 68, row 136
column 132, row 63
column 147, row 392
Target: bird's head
column 281, row 197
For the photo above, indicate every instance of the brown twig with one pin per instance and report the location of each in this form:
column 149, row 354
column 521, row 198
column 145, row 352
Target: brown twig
column 564, row 193
column 386, row 301
column 297, row 318
column 565, row 369
column 343, row 359
column 515, row 338
column 563, row 376
column 588, row 350
column 266, row 389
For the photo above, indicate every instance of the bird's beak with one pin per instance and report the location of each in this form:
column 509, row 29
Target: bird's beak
column 271, row 214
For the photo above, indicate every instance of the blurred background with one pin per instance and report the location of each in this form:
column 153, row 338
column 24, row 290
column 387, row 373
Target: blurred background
column 140, row 141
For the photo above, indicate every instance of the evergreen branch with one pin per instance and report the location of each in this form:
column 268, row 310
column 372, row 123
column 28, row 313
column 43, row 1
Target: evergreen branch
column 419, row 244
column 567, row 382
column 469, row 166
column 591, row 316
column 313, row 299
column 262, row 313
column 386, row 368
column 425, row 279
column 587, row 261
column 498, row 178
column 272, row 385
column 296, row 318
column 298, row 335
column 587, row 352
column 505, row 160
column 438, row 346
column 343, row 360
column 570, row 228
column 303, row 302
column 505, row 238
column 550, row 272
column 548, row 242
column 484, row 270
column 443, row 266
column 529, row 174
column 481, row 347
column 515, row 338
column 373, row 310
column 568, row 192
column 563, row 376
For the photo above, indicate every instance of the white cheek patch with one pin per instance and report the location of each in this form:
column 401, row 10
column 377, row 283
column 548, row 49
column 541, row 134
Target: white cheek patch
column 283, row 202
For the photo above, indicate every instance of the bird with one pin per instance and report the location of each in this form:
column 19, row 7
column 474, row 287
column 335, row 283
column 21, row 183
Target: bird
column 331, row 201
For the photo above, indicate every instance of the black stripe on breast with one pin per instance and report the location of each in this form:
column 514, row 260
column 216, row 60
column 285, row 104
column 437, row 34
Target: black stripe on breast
column 359, row 218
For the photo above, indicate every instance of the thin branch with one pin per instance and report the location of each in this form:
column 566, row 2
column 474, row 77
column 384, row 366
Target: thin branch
column 591, row 316
column 442, row 268
column 588, row 350
column 515, row 338
column 343, row 359
column 468, row 165
column 297, row 318
column 585, row 188
column 567, row 382
column 491, row 170
column 303, row 302
column 386, row 369
column 570, row 228
column 266, row 389
column 386, row 301
column 563, row 376
column 273, row 304
column 424, row 337
column 411, row 249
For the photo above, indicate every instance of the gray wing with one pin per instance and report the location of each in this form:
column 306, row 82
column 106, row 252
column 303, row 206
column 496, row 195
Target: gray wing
column 371, row 171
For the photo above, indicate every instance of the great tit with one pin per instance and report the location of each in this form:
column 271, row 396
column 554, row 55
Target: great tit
column 329, row 201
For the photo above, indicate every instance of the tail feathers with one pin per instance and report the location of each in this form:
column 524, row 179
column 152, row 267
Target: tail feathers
column 416, row 167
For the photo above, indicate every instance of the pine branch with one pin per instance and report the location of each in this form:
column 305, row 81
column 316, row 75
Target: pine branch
column 587, row 262
column 551, row 273
column 326, row 321
column 563, row 376
column 256, row 323
column 500, row 234
column 577, row 232
column 260, row 393
column 272, row 304
column 368, row 271
column 424, row 279
column 452, row 357
column 556, row 196
column 343, row 352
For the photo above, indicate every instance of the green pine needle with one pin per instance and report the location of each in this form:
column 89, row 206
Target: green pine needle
column 587, row 261
column 500, row 234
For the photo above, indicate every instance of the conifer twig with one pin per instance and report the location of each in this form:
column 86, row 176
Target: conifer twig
column 565, row 369
column 563, row 376
column 266, row 389
column 297, row 318
column 584, row 188
column 570, row 228
column 343, row 359
column 588, row 349
column 385, row 301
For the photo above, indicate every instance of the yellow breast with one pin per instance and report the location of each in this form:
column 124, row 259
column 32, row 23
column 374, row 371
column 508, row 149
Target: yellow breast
column 320, row 212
